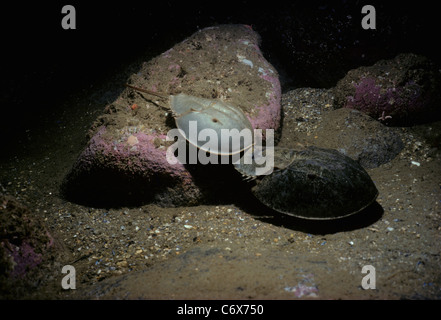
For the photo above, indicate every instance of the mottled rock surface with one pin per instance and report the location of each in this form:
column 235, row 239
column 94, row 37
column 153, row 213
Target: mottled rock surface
column 401, row 91
column 24, row 242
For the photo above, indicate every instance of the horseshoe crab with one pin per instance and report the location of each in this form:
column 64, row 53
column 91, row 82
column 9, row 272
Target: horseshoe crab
column 313, row 183
column 309, row 183
column 208, row 114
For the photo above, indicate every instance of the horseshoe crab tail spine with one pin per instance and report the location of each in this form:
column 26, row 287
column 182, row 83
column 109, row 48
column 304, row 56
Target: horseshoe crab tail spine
column 248, row 178
column 147, row 91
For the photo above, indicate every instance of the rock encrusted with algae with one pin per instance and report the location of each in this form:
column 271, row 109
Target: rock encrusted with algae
column 125, row 159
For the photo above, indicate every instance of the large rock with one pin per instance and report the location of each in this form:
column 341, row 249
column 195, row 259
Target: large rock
column 125, row 159
column 401, row 91
column 310, row 120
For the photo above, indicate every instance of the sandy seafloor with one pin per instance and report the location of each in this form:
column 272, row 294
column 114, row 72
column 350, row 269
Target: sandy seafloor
column 235, row 250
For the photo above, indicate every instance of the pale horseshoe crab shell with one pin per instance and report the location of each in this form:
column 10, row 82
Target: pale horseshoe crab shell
column 315, row 183
column 194, row 114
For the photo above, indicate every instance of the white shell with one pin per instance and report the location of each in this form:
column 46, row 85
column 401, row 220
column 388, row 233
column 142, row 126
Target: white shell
column 222, row 118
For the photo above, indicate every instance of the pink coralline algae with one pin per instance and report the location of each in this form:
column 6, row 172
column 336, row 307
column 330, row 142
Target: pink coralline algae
column 402, row 91
column 386, row 103
column 306, row 288
column 23, row 259
column 269, row 114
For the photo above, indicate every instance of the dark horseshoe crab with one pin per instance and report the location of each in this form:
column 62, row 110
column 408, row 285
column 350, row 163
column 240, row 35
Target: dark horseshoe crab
column 313, row 183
